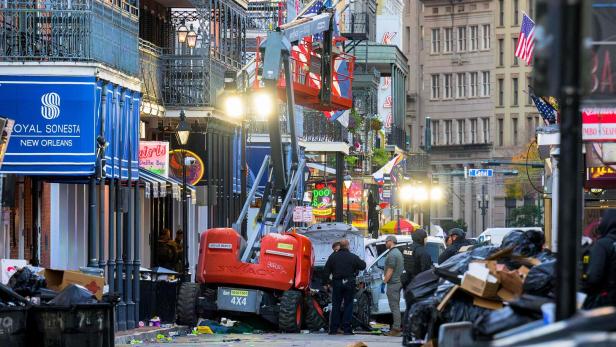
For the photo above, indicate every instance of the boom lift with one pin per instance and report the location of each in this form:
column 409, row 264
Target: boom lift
column 270, row 273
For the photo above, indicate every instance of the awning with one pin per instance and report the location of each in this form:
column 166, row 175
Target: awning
column 159, row 186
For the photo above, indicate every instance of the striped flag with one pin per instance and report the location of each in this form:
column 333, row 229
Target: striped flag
column 547, row 111
column 526, row 40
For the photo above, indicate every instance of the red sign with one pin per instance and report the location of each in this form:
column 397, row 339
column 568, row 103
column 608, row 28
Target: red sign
column 599, row 124
column 154, row 157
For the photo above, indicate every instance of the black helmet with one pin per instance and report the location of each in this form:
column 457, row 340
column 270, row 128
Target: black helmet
column 458, row 232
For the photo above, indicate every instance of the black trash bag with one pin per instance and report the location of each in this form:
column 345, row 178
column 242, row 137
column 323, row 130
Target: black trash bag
column 9, row 297
column 461, row 309
column 524, row 243
column 421, row 320
column 421, row 287
column 458, row 264
column 26, row 283
column 443, row 288
column 530, row 305
column 73, row 295
column 545, row 256
column 494, row 322
column 541, row 280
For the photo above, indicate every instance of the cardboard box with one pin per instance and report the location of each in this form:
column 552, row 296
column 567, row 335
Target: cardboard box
column 489, row 304
column 8, row 267
column 60, row 279
column 479, row 281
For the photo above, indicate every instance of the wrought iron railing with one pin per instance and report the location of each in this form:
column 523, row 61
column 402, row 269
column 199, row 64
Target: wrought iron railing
column 261, row 127
column 397, row 137
column 355, row 26
column 104, row 31
column 319, row 129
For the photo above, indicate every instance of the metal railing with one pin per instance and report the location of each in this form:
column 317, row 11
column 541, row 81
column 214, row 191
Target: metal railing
column 355, row 26
column 261, row 127
column 104, row 31
column 151, row 73
column 397, row 137
column 319, row 129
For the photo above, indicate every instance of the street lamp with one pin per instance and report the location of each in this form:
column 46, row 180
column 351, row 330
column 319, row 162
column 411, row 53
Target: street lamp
column 191, row 38
column 182, row 133
column 182, row 33
column 234, row 105
column 263, row 104
column 348, row 180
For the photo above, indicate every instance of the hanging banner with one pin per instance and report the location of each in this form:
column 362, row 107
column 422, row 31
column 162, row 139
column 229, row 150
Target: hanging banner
column 154, row 157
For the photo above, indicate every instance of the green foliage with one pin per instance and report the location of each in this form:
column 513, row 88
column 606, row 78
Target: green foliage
column 350, row 160
column 450, row 224
column 376, row 124
column 356, row 121
column 526, row 216
column 380, row 157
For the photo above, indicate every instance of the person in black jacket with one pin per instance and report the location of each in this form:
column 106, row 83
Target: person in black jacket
column 600, row 279
column 343, row 266
column 416, row 261
column 456, row 239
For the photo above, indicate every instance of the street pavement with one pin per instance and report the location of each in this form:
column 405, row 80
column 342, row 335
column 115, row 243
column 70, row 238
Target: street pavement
column 278, row 340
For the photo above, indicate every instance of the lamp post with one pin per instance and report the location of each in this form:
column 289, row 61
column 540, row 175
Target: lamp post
column 182, row 132
column 483, row 203
column 348, row 180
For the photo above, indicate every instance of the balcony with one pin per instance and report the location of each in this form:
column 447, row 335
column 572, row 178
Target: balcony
column 355, row 26
column 151, row 77
column 397, row 137
column 317, row 128
column 103, row 31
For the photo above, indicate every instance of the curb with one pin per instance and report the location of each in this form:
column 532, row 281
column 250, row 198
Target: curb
column 150, row 335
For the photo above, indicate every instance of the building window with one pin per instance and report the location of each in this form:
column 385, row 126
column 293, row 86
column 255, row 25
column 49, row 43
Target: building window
column 501, row 92
column 434, row 10
column 514, row 125
column 485, row 90
column 514, row 83
column 448, row 132
column 448, row 40
column 474, row 32
column 515, row 45
column 486, row 130
column 461, row 131
column 436, row 41
column 436, row 86
column 531, row 8
column 474, row 83
column 435, row 133
column 461, row 39
column 529, row 101
column 501, row 12
column 485, row 32
column 407, row 39
column 530, row 127
column 510, row 205
column 448, row 86
column 501, row 52
column 516, row 11
column 500, row 132
column 473, row 130
column 461, row 85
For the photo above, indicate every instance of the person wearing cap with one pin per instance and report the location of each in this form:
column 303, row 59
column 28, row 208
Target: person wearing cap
column 342, row 267
column 394, row 266
column 456, row 239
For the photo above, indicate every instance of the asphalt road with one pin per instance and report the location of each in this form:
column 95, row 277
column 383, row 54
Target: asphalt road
column 278, row 340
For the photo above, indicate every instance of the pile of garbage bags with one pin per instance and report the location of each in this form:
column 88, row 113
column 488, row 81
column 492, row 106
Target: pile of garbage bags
column 495, row 288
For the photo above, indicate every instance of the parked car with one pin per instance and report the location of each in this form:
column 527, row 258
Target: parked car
column 373, row 276
column 495, row 236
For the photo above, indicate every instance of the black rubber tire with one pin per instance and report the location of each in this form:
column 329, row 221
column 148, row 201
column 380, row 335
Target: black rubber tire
column 313, row 314
column 361, row 309
column 187, row 304
column 291, row 315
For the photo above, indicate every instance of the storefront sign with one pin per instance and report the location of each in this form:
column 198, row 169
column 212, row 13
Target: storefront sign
column 322, row 201
column 54, row 131
column 298, row 214
column 307, row 214
column 154, row 157
column 599, row 124
column 194, row 172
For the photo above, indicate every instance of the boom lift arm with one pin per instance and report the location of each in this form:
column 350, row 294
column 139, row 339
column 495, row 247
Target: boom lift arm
column 281, row 187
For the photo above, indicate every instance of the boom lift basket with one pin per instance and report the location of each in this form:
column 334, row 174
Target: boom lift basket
column 306, row 75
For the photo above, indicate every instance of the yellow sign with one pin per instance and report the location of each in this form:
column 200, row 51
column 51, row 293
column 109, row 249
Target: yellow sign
column 286, row 246
column 322, row 212
column 596, row 172
column 236, row 292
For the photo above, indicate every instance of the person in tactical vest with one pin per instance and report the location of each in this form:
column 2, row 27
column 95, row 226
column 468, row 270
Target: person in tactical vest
column 600, row 279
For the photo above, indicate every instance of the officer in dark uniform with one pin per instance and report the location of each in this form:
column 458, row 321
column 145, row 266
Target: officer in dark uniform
column 456, row 239
column 416, row 261
column 343, row 267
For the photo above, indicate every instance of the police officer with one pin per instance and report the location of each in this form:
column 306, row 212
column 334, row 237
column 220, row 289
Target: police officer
column 456, row 239
column 600, row 281
column 416, row 261
column 343, row 267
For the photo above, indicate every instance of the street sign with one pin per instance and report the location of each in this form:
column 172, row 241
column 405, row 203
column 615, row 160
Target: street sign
column 480, row 172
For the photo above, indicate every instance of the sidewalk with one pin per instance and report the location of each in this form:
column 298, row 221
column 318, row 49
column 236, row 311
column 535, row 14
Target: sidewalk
column 148, row 333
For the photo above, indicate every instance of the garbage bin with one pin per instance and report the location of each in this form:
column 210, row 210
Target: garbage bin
column 67, row 326
column 13, row 327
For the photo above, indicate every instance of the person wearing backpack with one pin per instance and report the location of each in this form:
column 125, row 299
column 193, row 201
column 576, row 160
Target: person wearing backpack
column 600, row 277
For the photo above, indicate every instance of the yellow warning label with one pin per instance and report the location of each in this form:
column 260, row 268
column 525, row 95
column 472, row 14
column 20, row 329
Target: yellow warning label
column 235, row 292
column 285, row 246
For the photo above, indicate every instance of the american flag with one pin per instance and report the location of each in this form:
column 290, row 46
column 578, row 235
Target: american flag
column 547, row 111
column 526, row 40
